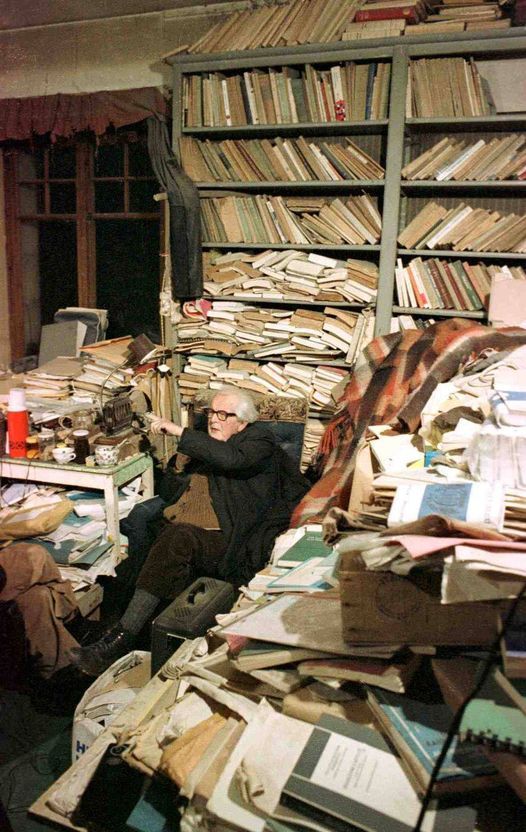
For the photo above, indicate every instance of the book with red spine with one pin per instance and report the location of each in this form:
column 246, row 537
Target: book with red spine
column 395, row 13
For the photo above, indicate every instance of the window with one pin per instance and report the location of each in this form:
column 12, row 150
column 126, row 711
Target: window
column 83, row 230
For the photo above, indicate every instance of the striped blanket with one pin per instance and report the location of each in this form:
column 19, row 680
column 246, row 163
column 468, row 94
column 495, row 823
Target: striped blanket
column 391, row 382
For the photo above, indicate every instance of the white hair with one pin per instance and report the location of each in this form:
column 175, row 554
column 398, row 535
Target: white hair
column 245, row 408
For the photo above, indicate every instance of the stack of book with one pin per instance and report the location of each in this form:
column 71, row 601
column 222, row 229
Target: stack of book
column 298, row 220
column 431, row 283
column 468, row 12
column 104, row 371
column 465, row 229
column 296, row 334
column 446, row 87
column 293, row 22
column 197, row 372
column 344, row 92
column 277, row 159
column 437, row 25
column 394, row 18
column 291, row 380
column 500, row 158
column 52, row 380
column 290, row 275
column 321, row 21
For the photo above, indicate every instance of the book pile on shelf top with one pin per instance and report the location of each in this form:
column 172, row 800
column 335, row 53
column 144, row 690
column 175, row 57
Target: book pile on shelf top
column 290, row 275
column 465, row 229
column 321, row 21
column 472, row 14
column 499, row 158
column 280, row 160
column 298, row 21
column 344, row 92
column 302, row 220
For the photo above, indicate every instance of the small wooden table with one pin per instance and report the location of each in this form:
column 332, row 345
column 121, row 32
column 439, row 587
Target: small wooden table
column 99, row 478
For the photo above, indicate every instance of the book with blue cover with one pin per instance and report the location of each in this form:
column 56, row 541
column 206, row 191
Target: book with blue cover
column 417, row 730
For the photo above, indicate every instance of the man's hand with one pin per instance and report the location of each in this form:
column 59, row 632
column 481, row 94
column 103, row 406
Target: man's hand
column 164, row 426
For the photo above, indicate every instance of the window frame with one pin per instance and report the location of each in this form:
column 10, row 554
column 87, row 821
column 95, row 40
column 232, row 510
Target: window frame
column 85, row 218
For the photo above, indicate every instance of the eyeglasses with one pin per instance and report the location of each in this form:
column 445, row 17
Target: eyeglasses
column 222, row 415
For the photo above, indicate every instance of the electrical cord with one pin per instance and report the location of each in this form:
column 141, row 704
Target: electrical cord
column 482, row 674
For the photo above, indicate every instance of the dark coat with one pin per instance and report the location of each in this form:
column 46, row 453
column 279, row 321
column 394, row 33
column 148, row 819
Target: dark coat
column 254, row 486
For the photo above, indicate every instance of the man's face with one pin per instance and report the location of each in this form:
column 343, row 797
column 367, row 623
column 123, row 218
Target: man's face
column 223, row 430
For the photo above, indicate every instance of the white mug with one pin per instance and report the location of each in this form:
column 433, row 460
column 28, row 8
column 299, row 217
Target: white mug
column 106, row 454
column 63, row 455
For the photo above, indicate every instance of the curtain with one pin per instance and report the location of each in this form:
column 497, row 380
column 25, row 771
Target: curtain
column 65, row 115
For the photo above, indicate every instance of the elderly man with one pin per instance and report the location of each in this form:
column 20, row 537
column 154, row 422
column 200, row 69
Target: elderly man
column 232, row 499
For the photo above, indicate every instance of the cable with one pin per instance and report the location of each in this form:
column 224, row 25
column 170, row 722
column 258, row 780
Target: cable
column 482, row 673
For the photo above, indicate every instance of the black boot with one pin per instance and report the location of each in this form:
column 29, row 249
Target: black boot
column 95, row 658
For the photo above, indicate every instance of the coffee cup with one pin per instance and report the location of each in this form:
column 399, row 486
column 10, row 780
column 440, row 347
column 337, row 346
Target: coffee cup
column 106, row 454
column 63, row 455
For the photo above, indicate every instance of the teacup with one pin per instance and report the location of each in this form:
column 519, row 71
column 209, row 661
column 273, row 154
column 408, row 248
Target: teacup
column 63, row 455
column 106, row 454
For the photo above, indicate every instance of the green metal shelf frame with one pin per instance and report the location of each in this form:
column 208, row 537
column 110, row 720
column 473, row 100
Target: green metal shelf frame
column 310, row 185
column 290, row 301
column 296, row 246
column 502, row 44
column 481, row 255
column 443, row 313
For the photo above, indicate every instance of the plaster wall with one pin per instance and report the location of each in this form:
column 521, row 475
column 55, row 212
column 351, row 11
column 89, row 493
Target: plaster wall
column 116, row 53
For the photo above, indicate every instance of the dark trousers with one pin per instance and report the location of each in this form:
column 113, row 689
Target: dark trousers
column 141, row 527
column 181, row 554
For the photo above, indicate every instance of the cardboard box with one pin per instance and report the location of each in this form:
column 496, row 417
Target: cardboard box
column 383, row 607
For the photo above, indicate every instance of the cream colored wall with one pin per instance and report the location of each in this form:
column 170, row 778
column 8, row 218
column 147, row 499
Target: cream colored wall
column 117, row 53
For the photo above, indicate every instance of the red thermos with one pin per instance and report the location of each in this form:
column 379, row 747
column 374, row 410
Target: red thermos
column 17, row 422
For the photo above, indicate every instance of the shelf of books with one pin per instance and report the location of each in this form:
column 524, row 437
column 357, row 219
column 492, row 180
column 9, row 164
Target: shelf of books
column 289, row 159
column 345, row 192
column 462, row 190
